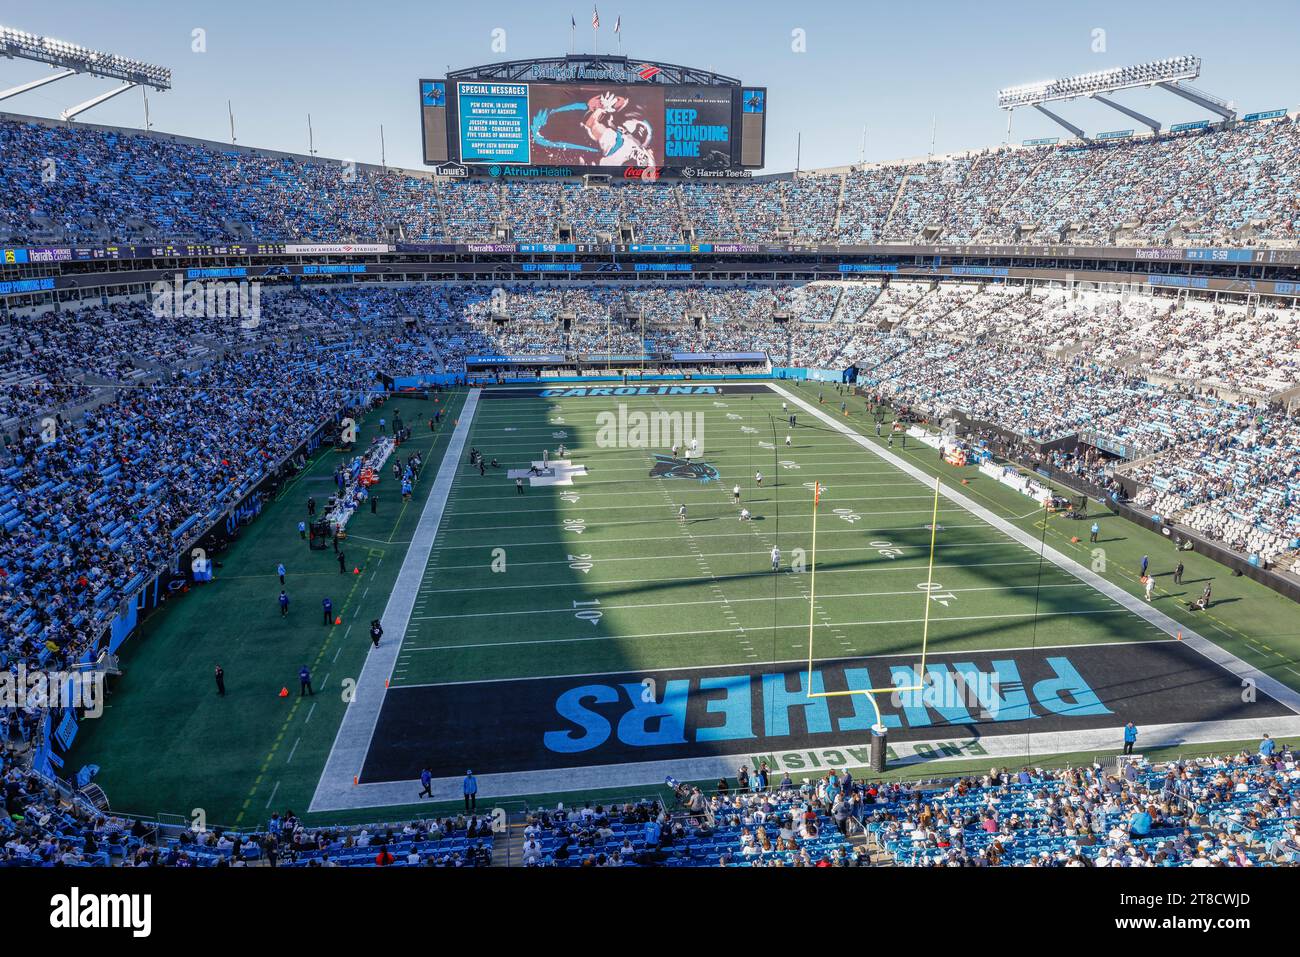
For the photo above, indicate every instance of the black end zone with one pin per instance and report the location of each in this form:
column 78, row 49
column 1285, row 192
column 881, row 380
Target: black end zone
column 549, row 723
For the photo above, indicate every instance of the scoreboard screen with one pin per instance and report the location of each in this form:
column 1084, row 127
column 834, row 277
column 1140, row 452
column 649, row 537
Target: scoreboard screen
column 677, row 128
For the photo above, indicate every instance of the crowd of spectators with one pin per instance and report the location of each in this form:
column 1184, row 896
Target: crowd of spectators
column 45, row 825
column 1232, row 811
column 159, row 425
column 758, row 823
column 1226, row 185
column 179, row 423
column 1237, row 810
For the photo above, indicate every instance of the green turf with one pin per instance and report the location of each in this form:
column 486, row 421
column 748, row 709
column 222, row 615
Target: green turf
column 670, row 593
column 167, row 743
column 700, row 591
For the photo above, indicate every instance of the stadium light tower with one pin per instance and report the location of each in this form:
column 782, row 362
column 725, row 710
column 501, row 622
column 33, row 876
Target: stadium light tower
column 75, row 59
column 1170, row 74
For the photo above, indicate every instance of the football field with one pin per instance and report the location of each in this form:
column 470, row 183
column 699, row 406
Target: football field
column 583, row 636
column 612, row 618
column 605, row 573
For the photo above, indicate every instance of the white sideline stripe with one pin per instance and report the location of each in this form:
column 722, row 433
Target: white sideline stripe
column 648, row 773
column 352, row 742
column 1219, row 656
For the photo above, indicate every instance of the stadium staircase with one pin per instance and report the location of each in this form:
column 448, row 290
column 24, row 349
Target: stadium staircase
column 898, row 198
column 995, row 214
column 959, row 304
column 839, row 205
column 434, row 351
column 950, row 207
column 901, row 322
column 683, row 221
column 1288, row 562
column 1064, row 201
column 835, row 309
column 508, row 849
column 438, row 204
column 862, row 316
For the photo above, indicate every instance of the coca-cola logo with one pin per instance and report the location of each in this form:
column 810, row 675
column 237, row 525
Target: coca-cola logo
column 647, row 173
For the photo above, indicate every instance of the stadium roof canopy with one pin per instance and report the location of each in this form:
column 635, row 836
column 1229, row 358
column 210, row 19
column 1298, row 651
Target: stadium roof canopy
column 76, row 59
column 582, row 68
column 1169, row 74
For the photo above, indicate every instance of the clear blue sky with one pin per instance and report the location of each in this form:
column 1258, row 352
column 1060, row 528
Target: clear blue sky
column 889, row 66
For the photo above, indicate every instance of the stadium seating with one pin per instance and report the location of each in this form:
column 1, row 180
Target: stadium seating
column 1227, row 186
column 80, row 529
column 1236, row 811
column 1239, row 810
column 42, row 827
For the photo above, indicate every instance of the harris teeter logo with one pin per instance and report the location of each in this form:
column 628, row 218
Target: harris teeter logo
column 668, row 467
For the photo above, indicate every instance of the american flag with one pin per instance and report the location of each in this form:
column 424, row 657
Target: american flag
column 618, row 22
column 595, row 18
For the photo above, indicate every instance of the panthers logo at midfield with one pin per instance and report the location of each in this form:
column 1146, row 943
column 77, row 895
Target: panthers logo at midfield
column 668, row 467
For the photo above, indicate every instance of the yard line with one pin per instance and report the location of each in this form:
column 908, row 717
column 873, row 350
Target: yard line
column 802, row 659
column 594, row 583
column 618, row 489
column 719, row 631
column 1220, row 656
column 893, row 565
column 791, row 500
column 662, row 538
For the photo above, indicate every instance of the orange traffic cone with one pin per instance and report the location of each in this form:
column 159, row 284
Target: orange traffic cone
column 1180, row 634
column 338, row 620
column 356, row 571
column 1074, row 539
column 284, row 692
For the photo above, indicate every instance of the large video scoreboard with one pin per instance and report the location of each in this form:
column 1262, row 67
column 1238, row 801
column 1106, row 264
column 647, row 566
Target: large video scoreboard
column 675, row 129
